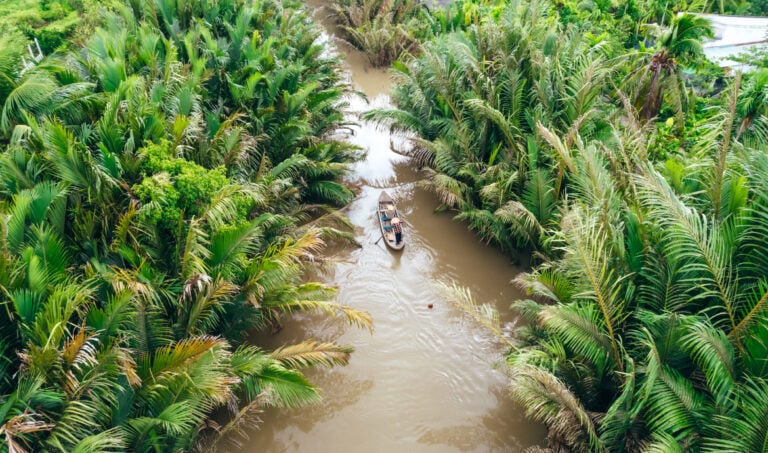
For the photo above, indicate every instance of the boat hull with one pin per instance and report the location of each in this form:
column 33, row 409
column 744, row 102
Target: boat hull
column 387, row 210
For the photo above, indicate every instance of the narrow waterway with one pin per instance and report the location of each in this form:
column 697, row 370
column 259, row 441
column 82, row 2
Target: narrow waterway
column 426, row 380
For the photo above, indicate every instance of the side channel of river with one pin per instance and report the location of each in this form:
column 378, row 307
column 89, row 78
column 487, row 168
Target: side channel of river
column 426, row 380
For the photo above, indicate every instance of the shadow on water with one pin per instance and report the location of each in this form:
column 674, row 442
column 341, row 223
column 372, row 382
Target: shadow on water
column 428, row 379
column 473, row 436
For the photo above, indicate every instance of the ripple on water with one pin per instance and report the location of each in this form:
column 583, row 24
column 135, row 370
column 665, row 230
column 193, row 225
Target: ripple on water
column 424, row 381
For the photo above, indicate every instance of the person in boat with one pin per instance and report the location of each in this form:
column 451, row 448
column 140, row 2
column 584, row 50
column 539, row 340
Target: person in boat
column 397, row 229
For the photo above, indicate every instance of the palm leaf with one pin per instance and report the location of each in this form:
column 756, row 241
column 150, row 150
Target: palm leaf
column 286, row 388
column 312, row 353
column 486, row 315
column 713, row 353
column 588, row 247
column 538, row 196
column 329, row 191
column 202, row 311
column 522, row 223
column 448, row 190
column 673, row 406
column 664, row 443
column 744, row 430
column 29, row 95
column 548, row 283
column 622, row 421
column 79, row 419
column 231, row 244
column 580, row 329
column 109, row 441
column 353, row 316
column 689, row 239
column 177, row 357
column 548, row 400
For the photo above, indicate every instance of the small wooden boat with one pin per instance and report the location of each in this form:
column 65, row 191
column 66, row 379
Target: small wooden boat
column 386, row 212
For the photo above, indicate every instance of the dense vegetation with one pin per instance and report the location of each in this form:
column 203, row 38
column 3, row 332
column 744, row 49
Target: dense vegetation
column 601, row 140
column 53, row 23
column 643, row 194
column 166, row 173
column 389, row 30
column 162, row 186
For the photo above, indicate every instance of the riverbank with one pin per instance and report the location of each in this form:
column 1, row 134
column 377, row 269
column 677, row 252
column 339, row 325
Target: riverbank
column 426, row 380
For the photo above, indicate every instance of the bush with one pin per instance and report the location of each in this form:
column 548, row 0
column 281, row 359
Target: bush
column 53, row 23
column 175, row 185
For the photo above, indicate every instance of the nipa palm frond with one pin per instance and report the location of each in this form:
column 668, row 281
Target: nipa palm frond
column 312, row 353
column 579, row 327
column 484, row 314
column 353, row 316
column 711, row 350
column 548, row 283
column 548, row 400
column 539, row 197
column 30, row 95
column 672, row 405
column 744, row 430
column 688, row 237
column 522, row 223
column 588, row 252
column 449, row 191
column 109, row 441
column 267, row 381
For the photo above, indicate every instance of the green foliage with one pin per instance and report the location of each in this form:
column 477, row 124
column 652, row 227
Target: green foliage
column 478, row 99
column 174, row 185
column 55, row 24
column 645, row 326
column 155, row 176
column 383, row 30
column 390, row 31
column 153, row 183
column 637, row 187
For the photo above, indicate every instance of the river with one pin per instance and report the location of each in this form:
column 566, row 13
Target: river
column 427, row 379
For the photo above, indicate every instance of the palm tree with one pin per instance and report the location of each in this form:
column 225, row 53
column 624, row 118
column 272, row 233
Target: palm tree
column 658, row 77
column 644, row 331
column 133, row 262
column 477, row 101
column 751, row 104
column 385, row 31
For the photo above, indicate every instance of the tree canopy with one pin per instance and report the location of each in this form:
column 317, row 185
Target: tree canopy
column 633, row 171
column 162, row 188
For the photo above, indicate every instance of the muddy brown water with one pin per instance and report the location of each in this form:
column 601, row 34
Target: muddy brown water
column 426, row 380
